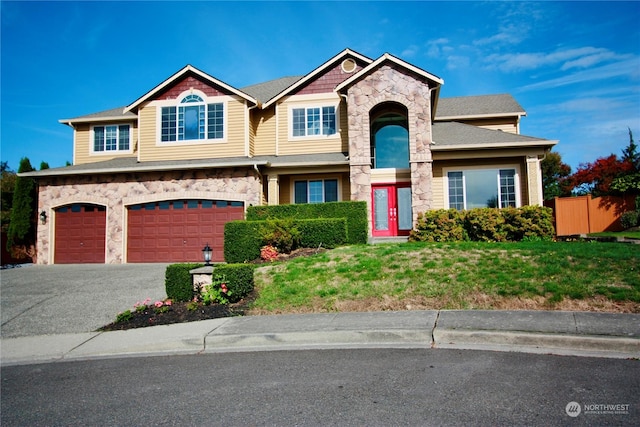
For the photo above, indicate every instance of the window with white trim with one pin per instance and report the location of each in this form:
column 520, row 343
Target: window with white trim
column 315, row 191
column 313, row 121
column 192, row 119
column 111, row 138
column 482, row 188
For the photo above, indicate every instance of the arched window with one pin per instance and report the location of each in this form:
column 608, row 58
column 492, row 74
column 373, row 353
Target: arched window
column 192, row 119
column 389, row 137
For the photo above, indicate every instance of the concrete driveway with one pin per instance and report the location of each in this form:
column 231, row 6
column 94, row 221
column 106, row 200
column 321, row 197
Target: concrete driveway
column 60, row 299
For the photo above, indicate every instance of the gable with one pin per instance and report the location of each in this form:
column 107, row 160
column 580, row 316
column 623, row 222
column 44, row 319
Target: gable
column 187, row 83
column 328, row 80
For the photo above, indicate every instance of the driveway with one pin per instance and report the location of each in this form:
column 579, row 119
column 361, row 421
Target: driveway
column 60, row 299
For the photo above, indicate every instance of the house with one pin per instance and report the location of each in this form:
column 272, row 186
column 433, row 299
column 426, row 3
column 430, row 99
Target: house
column 156, row 180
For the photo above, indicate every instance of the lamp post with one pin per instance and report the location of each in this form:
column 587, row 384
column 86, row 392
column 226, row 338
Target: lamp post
column 43, row 217
column 206, row 253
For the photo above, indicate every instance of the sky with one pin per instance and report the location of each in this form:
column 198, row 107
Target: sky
column 573, row 66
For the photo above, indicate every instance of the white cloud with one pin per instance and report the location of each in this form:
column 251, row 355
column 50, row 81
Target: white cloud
column 410, row 51
column 511, row 34
column 435, row 47
column 457, row 61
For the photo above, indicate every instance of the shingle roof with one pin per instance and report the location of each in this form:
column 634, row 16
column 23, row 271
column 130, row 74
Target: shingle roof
column 450, row 135
column 263, row 92
column 114, row 113
column 475, row 106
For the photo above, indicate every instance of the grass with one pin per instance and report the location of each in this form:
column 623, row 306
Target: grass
column 561, row 275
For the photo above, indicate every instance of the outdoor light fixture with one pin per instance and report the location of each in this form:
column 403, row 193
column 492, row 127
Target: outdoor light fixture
column 206, row 252
column 43, row 217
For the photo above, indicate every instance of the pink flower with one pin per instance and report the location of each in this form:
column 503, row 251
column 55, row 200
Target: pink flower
column 159, row 304
column 223, row 287
column 167, row 302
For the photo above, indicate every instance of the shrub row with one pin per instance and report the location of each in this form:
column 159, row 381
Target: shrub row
column 630, row 219
column 179, row 286
column 243, row 239
column 354, row 212
column 485, row 224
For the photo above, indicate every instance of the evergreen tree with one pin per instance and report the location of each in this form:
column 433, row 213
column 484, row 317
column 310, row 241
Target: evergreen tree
column 21, row 232
column 554, row 174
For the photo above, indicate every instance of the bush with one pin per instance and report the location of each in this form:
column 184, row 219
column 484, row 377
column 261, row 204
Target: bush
column 242, row 241
column 239, row 279
column 178, row 281
column 281, row 234
column 354, row 212
column 326, row 232
column 439, row 226
column 179, row 286
column 630, row 219
column 484, row 225
column 528, row 223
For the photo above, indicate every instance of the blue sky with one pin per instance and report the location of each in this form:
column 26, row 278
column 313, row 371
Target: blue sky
column 573, row 66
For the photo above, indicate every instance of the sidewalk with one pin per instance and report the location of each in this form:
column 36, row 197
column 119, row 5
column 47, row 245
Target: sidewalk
column 548, row 332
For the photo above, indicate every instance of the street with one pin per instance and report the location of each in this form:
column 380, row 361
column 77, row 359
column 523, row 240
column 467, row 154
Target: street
column 325, row 387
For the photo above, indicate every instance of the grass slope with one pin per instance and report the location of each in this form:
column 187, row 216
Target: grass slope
column 540, row 275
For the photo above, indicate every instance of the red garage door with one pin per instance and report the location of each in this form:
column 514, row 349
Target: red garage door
column 177, row 230
column 80, row 234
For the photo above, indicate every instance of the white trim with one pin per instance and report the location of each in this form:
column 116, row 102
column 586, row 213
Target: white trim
column 478, row 116
column 513, row 144
column 106, row 152
column 497, row 167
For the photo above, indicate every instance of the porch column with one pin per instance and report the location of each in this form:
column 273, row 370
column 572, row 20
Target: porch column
column 273, row 198
column 534, row 181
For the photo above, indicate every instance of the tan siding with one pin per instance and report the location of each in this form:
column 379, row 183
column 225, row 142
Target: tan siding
column 286, row 185
column 82, row 149
column 333, row 144
column 265, row 132
column 505, row 124
column 437, row 187
column 234, row 146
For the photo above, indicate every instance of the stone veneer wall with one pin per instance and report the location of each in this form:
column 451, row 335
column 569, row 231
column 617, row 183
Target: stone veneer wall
column 116, row 192
column 389, row 83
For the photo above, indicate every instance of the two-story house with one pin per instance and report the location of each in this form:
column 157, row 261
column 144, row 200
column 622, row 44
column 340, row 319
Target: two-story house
column 156, row 180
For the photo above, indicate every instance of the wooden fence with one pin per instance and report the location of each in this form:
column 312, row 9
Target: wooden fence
column 583, row 214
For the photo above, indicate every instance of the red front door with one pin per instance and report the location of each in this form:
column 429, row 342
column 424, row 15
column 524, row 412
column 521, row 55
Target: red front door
column 391, row 204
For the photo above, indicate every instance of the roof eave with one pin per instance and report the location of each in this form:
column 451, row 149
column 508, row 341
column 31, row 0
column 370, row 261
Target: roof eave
column 480, row 116
column 540, row 143
column 69, row 122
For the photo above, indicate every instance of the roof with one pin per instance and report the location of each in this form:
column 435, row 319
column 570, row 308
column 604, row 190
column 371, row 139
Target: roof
column 456, row 136
column 263, row 92
column 132, row 165
column 478, row 106
column 114, row 114
column 187, row 70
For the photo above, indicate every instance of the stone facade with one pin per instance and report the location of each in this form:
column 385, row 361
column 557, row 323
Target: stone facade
column 390, row 83
column 116, row 192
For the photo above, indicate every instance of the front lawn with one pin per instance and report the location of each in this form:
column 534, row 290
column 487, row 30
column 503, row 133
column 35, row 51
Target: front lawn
column 627, row 234
column 464, row 275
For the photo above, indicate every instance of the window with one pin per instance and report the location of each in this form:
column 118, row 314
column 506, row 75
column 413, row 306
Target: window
column 482, row 188
column 316, row 191
column 192, row 120
column 314, row 121
column 111, row 138
column 389, row 136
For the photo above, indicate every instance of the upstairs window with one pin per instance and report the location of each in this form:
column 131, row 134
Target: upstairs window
column 192, row 119
column 313, row 121
column 482, row 188
column 111, row 138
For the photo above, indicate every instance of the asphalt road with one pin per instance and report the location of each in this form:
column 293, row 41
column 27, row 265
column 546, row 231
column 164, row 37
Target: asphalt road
column 331, row 387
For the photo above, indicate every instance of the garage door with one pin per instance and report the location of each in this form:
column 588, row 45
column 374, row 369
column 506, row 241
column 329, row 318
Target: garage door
column 80, row 234
column 177, row 230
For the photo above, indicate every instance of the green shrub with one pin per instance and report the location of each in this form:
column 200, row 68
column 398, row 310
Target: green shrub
column 282, row 234
column 178, row 281
column 242, row 241
column 355, row 212
column 630, row 219
column 484, row 225
column 531, row 223
column 239, row 279
column 443, row 225
column 326, row 232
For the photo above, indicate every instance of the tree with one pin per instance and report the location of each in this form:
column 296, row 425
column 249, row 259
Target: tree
column 554, row 174
column 629, row 182
column 21, row 234
column 596, row 178
column 631, row 154
column 7, row 185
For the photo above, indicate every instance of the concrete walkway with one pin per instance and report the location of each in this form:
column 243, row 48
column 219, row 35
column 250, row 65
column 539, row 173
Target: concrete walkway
column 562, row 333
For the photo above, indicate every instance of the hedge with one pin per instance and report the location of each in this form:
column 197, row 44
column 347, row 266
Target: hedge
column 179, row 286
column 485, row 224
column 354, row 211
column 243, row 239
